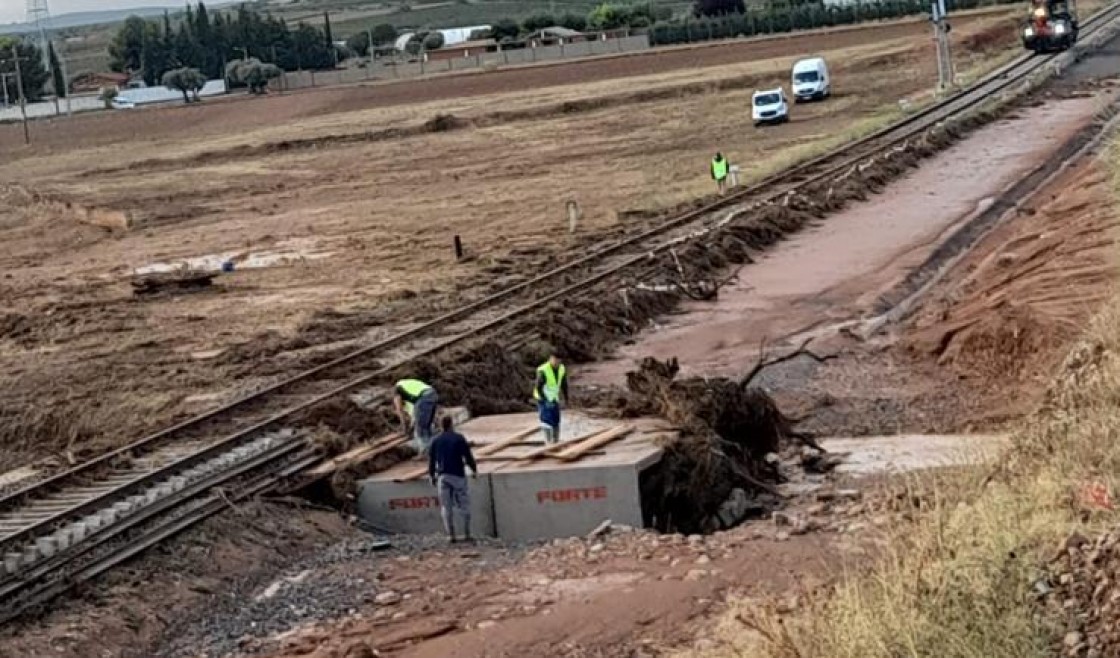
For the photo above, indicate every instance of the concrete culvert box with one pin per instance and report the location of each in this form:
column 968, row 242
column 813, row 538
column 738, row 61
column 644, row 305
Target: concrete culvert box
column 526, row 490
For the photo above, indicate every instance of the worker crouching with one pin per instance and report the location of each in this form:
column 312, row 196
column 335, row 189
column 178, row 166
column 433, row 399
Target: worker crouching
column 416, row 401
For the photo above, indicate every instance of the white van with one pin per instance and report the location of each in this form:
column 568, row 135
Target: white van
column 769, row 106
column 810, row 80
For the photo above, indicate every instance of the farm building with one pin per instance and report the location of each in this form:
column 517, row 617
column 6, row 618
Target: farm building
column 555, row 35
column 462, row 50
column 451, row 36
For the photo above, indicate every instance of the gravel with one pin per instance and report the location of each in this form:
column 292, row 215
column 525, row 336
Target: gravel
column 334, row 583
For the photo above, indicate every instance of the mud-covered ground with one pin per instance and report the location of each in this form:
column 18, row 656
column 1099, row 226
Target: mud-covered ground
column 339, row 224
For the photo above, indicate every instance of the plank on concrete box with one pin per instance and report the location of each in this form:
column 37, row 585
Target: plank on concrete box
column 591, row 443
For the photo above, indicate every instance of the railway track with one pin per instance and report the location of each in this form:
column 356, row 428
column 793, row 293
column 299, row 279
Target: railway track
column 75, row 524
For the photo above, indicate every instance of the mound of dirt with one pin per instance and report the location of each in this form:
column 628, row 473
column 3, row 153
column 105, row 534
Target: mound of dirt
column 1001, row 341
column 1083, row 594
column 729, row 436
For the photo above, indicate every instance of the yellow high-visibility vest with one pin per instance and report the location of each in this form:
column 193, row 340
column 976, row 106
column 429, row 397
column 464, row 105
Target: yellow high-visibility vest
column 719, row 168
column 413, row 388
column 552, row 380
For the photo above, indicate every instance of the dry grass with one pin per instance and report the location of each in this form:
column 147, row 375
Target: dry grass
column 956, row 578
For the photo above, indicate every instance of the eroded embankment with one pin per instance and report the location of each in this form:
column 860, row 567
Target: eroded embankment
column 732, row 428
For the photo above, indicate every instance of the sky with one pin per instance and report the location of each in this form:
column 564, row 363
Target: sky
column 15, row 11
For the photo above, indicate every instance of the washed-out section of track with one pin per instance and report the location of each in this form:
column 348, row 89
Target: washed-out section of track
column 49, row 523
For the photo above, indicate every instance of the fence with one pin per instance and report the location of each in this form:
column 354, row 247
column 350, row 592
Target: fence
column 382, row 70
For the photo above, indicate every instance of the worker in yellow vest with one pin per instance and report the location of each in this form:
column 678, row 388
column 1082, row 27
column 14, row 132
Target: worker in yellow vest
column 550, row 389
column 416, row 400
column 719, row 172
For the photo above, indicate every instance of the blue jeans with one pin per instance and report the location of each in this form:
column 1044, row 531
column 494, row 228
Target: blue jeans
column 549, row 413
column 423, row 420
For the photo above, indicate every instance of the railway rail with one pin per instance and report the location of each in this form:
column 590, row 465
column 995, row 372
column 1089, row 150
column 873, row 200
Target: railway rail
column 73, row 525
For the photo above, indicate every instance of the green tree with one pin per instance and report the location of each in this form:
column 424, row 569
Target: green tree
column 253, row 74
column 608, row 16
column 310, row 48
column 58, row 81
column 506, row 28
column 127, row 44
column 574, row 22
column 538, row 22
column 328, row 34
column 359, row 43
column 718, row 7
column 434, row 41
column 107, row 95
column 187, row 80
column 384, row 33
column 156, row 55
column 32, row 71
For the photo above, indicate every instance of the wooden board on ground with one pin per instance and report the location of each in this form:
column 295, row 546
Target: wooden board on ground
column 484, row 451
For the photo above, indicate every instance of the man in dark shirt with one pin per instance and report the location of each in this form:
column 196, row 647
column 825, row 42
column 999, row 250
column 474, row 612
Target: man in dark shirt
column 447, row 457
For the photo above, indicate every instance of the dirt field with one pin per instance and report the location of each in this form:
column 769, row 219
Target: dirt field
column 337, row 220
column 219, row 118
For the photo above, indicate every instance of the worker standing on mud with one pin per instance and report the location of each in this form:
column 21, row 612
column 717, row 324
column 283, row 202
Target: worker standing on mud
column 448, row 460
column 549, row 390
column 719, row 172
column 413, row 398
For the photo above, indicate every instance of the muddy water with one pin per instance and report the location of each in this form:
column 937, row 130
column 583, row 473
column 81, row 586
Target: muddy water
column 836, row 270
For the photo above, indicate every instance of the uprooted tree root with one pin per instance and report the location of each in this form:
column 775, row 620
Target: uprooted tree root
column 728, row 434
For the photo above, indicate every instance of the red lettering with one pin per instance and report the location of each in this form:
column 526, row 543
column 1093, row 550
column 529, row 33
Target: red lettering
column 570, row 495
column 417, row 502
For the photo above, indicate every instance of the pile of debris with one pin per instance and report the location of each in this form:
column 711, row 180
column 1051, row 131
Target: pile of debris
column 724, row 466
column 1083, row 591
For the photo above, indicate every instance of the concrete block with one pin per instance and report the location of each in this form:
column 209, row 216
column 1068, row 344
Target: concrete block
column 30, row 554
column 122, row 508
column 517, row 499
column 550, row 501
column 413, row 507
column 12, row 562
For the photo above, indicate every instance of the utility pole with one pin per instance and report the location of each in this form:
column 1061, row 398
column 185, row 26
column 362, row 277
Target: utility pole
column 22, row 98
column 4, row 85
column 945, row 74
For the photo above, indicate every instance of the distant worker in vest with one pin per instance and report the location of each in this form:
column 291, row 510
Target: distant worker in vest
column 719, row 172
column 549, row 391
column 414, row 399
column 448, row 460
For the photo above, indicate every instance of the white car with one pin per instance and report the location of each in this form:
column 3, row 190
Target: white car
column 810, row 80
column 122, row 104
column 769, row 106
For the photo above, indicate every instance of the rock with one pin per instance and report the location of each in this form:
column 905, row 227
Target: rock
column 703, row 559
column 1065, row 578
column 600, row 530
column 772, row 458
column 787, row 605
column 817, row 509
column 695, row 539
column 849, row 494
column 782, row 536
column 387, row 598
column 597, row 548
column 1072, row 639
column 733, row 510
column 487, row 623
column 696, row 574
column 802, row 526
column 781, row 518
column 397, row 616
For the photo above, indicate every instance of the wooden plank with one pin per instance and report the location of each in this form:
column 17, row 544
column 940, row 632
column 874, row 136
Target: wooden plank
column 577, row 451
column 356, row 454
column 506, row 442
column 484, row 451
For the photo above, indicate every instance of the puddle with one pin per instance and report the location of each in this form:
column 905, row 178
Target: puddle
column 910, row 452
column 240, row 259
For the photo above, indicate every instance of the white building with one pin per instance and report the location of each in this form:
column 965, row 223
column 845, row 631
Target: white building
column 451, row 36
